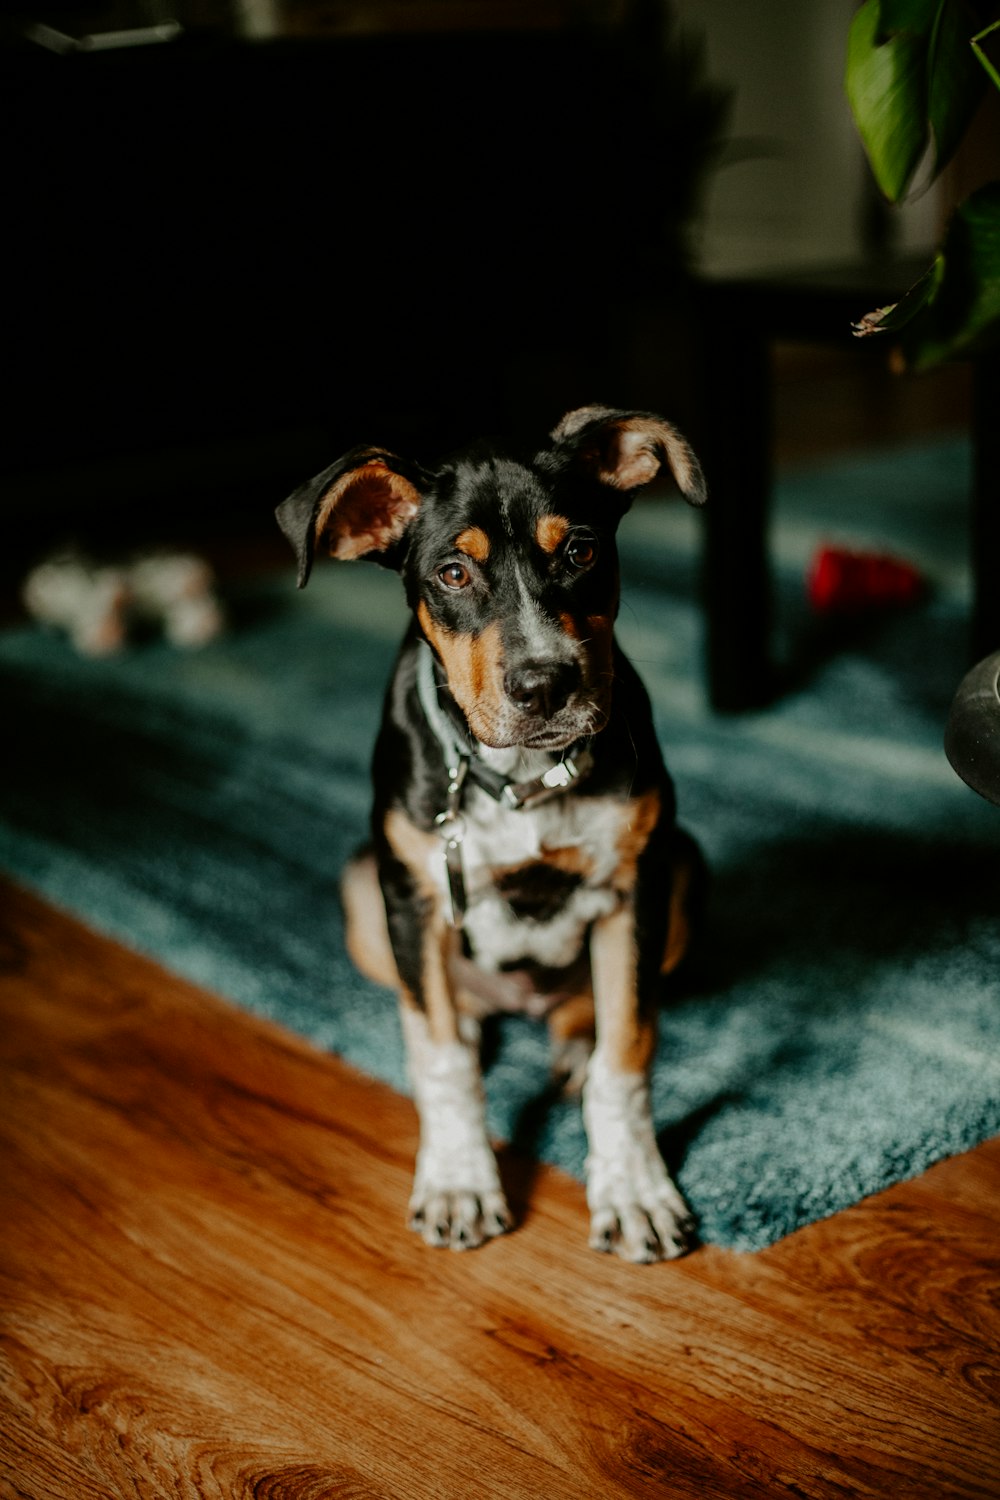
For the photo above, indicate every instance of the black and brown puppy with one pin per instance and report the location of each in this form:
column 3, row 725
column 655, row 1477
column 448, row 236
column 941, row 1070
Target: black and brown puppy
column 524, row 838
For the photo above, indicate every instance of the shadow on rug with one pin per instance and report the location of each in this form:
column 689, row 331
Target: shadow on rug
column 839, row 1028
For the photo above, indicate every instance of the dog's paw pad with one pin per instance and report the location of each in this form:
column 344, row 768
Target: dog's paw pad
column 641, row 1233
column 459, row 1221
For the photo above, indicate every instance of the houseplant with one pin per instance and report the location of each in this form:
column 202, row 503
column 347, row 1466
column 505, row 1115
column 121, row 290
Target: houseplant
column 916, row 74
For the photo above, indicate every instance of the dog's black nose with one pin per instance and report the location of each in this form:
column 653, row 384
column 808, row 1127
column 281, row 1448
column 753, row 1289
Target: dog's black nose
column 541, row 687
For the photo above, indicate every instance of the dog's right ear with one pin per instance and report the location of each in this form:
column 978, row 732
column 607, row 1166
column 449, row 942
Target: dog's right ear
column 360, row 506
column 626, row 449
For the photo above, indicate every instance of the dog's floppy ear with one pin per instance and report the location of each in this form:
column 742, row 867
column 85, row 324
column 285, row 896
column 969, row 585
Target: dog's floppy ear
column 627, row 449
column 360, row 506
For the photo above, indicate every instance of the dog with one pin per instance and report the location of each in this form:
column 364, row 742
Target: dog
column 525, row 854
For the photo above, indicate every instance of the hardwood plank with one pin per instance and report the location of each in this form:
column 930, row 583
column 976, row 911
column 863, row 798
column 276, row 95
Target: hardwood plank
column 208, row 1291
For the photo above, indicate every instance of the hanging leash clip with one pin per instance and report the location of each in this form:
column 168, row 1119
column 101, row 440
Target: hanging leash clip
column 451, row 826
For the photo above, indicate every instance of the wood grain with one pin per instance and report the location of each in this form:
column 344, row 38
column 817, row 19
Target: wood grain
column 208, row 1291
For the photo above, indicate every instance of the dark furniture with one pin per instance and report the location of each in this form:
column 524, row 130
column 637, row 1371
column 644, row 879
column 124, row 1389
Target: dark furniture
column 740, row 319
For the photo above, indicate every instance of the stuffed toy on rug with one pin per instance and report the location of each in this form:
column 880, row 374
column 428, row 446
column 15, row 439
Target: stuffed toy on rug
column 101, row 606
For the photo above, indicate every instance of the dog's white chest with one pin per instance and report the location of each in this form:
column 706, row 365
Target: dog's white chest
column 569, row 843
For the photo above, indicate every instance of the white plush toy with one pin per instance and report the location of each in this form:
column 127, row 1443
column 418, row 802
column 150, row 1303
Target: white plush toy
column 100, row 605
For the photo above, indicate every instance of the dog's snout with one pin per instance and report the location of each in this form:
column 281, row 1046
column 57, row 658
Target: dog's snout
column 541, row 688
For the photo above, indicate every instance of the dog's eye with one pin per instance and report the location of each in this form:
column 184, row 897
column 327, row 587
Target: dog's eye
column 455, row 575
column 581, row 552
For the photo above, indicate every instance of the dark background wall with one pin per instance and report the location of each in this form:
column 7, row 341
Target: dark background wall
column 232, row 259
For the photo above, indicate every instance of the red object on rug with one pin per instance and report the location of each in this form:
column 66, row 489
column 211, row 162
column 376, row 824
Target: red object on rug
column 845, row 582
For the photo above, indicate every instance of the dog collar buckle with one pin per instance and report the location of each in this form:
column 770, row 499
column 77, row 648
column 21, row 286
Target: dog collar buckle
column 557, row 778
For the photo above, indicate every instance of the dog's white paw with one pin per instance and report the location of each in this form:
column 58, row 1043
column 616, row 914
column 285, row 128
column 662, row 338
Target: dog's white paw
column 457, row 1199
column 458, row 1220
column 636, row 1211
column 642, row 1231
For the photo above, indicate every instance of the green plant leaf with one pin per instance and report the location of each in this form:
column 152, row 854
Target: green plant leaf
column 955, row 80
column 980, row 51
column 912, row 75
column 886, row 84
column 954, row 309
column 908, row 15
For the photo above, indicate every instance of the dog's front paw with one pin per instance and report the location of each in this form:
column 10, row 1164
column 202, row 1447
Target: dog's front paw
column 458, row 1220
column 642, row 1229
column 636, row 1211
column 457, row 1200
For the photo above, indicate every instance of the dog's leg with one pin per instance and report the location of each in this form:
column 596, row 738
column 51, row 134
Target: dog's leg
column 457, row 1198
column 635, row 1208
column 366, row 932
column 571, row 1030
column 688, row 881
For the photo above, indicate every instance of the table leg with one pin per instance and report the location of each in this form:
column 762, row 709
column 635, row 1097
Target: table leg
column 737, row 584
column 985, row 506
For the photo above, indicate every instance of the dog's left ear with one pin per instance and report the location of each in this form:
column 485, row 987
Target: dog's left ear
column 361, row 506
column 628, row 449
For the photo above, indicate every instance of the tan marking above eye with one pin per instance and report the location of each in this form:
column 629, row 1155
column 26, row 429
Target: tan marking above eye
column 550, row 531
column 474, row 542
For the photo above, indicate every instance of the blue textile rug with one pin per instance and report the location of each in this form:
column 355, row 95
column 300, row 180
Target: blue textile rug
column 841, row 1026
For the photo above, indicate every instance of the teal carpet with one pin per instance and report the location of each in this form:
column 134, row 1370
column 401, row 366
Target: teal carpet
column 840, row 1029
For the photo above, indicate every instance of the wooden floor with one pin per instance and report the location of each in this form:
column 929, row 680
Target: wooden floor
column 207, row 1290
